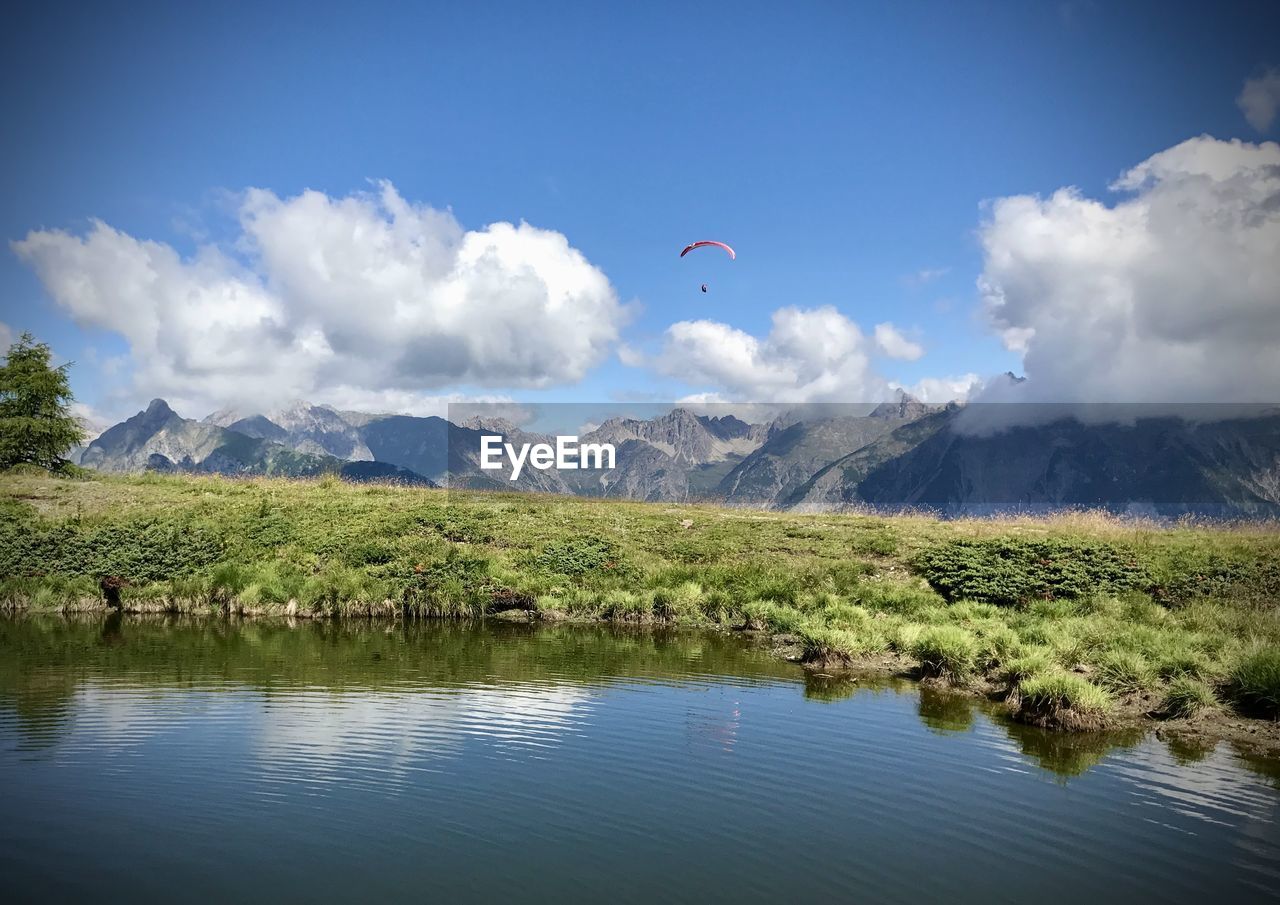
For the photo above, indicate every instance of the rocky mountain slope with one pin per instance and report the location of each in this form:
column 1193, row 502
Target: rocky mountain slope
column 895, row 455
column 1158, row 464
column 158, row 439
column 792, row 454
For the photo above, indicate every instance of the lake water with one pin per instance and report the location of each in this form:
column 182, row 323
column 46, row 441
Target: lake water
column 204, row 761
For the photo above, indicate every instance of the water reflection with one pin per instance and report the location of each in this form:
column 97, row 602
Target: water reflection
column 439, row 682
column 577, row 752
column 946, row 711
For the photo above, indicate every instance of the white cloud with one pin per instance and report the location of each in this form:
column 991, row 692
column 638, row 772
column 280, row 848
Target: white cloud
column 7, row 337
column 809, row 355
column 93, row 421
column 1260, row 98
column 367, row 298
column 926, row 275
column 943, row 389
column 1170, row 294
column 630, row 356
column 891, row 342
column 398, row 402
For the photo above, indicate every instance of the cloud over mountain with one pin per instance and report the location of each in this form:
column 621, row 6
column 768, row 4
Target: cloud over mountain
column 809, row 355
column 351, row 298
column 1169, row 294
column 891, row 342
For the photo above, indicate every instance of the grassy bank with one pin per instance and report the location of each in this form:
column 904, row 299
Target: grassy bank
column 1077, row 621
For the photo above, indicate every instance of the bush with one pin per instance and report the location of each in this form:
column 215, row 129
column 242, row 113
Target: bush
column 142, row 550
column 1218, row 575
column 946, row 651
column 458, row 586
column 1011, row 571
column 582, row 555
column 1255, row 680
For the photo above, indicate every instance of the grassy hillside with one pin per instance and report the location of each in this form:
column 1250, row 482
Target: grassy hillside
column 1076, row 621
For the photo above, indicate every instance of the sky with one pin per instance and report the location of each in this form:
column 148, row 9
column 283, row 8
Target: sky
column 393, row 205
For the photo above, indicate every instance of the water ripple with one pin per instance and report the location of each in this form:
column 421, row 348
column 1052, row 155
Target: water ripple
column 470, row 765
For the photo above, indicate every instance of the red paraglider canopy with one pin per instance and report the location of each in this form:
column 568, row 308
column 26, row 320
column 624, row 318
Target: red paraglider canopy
column 689, row 248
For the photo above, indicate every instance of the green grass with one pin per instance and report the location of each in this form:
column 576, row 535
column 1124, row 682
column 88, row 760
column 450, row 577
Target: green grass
column 1126, row 671
column 1062, row 700
column 1186, row 697
column 1255, row 680
column 946, row 651
column 1081, row 609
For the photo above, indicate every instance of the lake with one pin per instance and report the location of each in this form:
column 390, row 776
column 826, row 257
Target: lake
column 160, row 759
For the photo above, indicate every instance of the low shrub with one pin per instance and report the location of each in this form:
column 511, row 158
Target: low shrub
column 1011, row 571
column 579, row 556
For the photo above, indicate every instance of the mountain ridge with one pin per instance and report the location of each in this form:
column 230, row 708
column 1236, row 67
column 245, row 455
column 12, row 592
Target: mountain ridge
column 899, row 454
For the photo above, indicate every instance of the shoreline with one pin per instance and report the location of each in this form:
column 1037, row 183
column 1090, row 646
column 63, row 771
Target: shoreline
column 1257, row 736
column 1075, row 622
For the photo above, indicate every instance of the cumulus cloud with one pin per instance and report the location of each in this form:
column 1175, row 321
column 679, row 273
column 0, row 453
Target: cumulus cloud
column 367, row 298
column 7, row 337
column 1260, row 98
column 943, row 389
column 1170, row 294
column 809, row 355
column 891, row 342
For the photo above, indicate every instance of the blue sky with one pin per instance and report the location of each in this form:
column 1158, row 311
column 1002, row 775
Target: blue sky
column 841, row 148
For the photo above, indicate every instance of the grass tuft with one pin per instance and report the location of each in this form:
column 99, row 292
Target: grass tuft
column 1061, row 700
column 946, row 651
column 1186, row 697
column 1125, row 672
column 1255, row 680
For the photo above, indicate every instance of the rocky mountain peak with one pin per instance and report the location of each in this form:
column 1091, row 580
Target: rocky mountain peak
column 493, row 425
column 905, row 407
column 158, row 408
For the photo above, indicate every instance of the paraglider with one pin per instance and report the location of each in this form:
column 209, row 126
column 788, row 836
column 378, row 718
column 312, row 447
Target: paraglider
column 691, row 246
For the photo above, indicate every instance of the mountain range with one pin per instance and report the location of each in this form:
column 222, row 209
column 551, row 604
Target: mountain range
column 902, row 454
